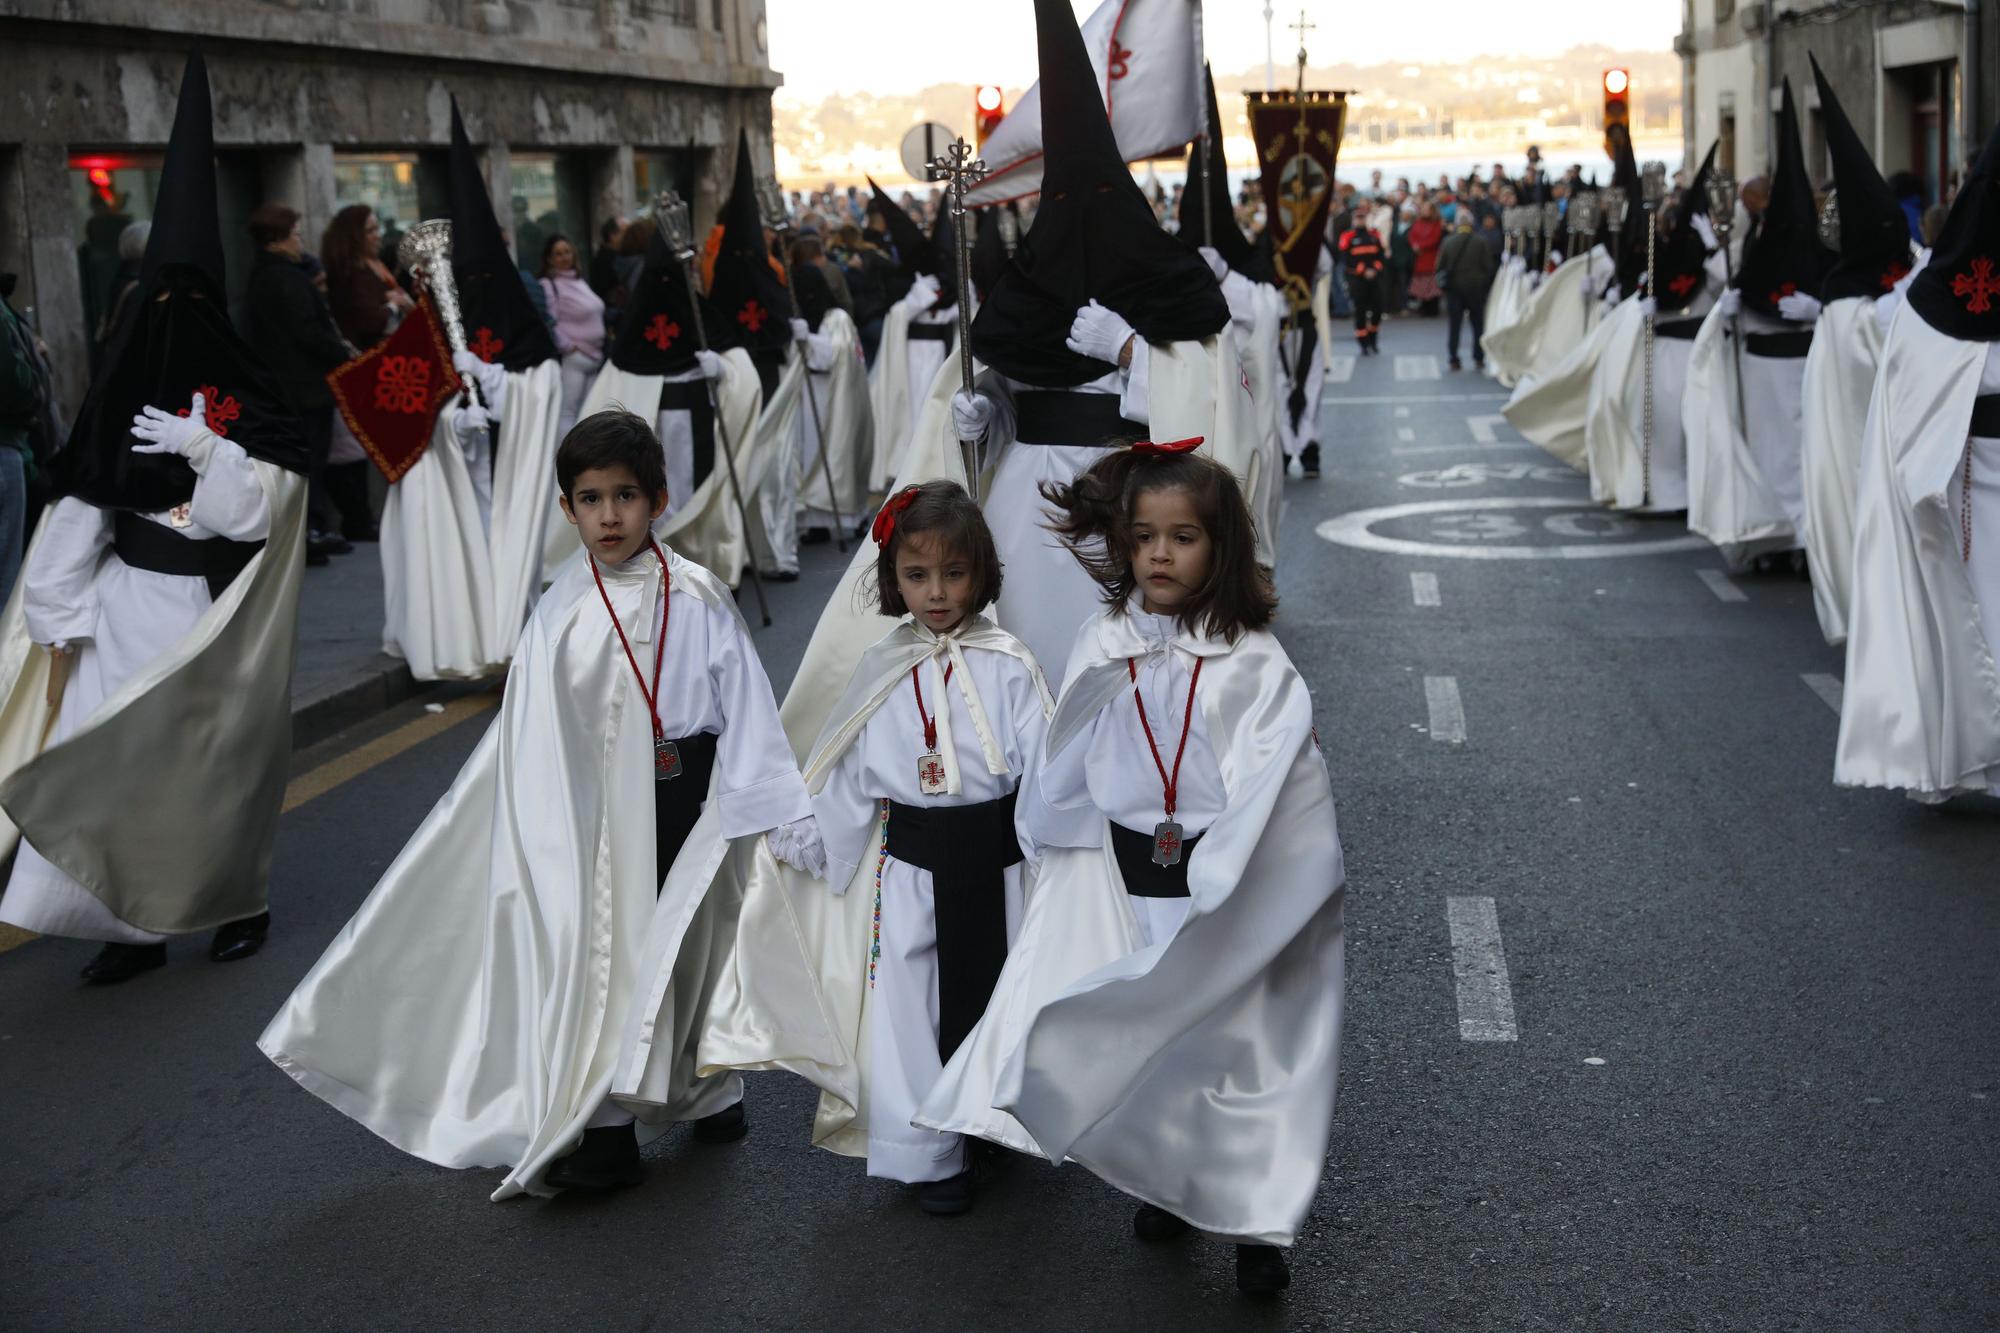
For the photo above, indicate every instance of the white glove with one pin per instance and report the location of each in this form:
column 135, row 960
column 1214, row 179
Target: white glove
column 1705, row 229
column 799, row 845
column 1216, row 263
column 971, row 414
column 1099, row 332
column 491, row 378
column 170, row 434
column 1555, row 258
column 1612, row 297
column 710, row 363
column 1799, row 307
column 470, row 423
column 1730, row 303
column 1648, row 307
column 800, row 330
column 923, row 293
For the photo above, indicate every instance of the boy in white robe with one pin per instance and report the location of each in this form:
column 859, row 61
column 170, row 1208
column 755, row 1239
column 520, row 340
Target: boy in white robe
column 637, row 738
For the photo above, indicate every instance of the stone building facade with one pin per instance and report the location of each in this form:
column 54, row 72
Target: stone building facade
column 1920, row 79
column 582, row 109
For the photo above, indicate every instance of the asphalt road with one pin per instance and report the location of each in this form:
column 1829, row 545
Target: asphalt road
column 1649, row 1026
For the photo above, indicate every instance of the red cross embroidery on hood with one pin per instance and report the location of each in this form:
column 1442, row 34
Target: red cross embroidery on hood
column 221, row 409
column 1789, row 289
column 1682, row 285
column 1980, row 286
column 662, row 332
column 485, row 346
column 1894, row 274
column 752, row 315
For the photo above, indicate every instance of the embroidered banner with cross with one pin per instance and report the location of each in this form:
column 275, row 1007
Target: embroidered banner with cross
column 391, row 394
column 1298, row 142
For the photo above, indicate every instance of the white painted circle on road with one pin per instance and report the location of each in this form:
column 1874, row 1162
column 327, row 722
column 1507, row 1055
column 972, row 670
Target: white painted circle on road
column 1475, row 527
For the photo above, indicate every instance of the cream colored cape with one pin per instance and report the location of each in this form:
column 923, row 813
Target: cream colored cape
column 847, row 428
column 889, row 398
column 164, row 803
column 1920, row 705
column 1554, row 320
column 1728, row 500
column 1199, row 1074
column 794, row 991
column 1551, row 407
column 1840, row 377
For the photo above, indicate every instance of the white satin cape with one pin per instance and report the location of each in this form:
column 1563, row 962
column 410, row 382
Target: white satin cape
column 794, row 989
column 1257, row 316
column 705, row 527
column 471, row 1011
column 1840, row 377
column 203, row 734
column 1198, row 1075
column 1551, row 407
column 847, row 429
column 1504, row 304
column 1554, row 320
column 1615, row 424
column 458, row 587
column 1730, row 502
column 1920, row 706
column 889, row 398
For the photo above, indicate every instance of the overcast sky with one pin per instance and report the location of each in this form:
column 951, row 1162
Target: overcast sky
column 901, row 46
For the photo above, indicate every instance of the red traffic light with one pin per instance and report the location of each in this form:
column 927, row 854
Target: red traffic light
column 1617, row 99
column 1617, row 82
column 988, row 110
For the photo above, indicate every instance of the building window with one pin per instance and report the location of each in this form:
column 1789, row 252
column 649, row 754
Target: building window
column 664, row 169
column 551, row 196
column 1725, row 153
column 111, row 192
column 401, row 189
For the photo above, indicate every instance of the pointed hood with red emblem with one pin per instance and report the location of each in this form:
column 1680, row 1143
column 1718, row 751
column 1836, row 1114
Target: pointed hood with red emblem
column 1680, row 262
column 176, row 339
column 1874, row 233
column 745, row 289
column 501, row 323
column 1958, row 293
column 1094, row 238
column 1786, row 257
column 656, row 335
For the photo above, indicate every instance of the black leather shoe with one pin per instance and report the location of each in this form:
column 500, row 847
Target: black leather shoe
column 121, row 962
column 327, row 543
column 725, row 1126
column 815, row 537
column 948, row 1197
column 781, row 576
column 1152, row 1224
column 317, row 558
column 1309, row 460
column 239, row 939
column 1261, row 1271
column 607, row 1159
column 361, row 532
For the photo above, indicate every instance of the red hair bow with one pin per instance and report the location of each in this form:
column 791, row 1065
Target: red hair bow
column 1167, row 446
column 885, row 521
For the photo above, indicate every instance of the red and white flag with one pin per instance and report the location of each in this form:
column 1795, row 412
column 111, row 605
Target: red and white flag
column 1147, row 54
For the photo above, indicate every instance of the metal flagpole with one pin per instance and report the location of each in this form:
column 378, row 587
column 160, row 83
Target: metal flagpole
column 1722, row 217
column 1207, row 137
column 672, row 215
column 960, row 171
column 771, row 201
column 1653, row 193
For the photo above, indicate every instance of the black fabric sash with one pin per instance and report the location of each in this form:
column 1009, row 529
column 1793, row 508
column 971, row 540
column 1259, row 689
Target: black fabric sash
column 933, row 333
column 1778, row 345
column 967, row 849
column 157, row 548
column 691, row 397
column 1143, row 879
column 1684, row 329
column 1064, row 416
column 1986, row 416
column 677, row 801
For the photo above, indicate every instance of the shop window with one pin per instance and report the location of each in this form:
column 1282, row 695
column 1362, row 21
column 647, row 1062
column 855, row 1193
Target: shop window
column 112, row 191
column 551, row 196
column 400, row 188
column 654, row 172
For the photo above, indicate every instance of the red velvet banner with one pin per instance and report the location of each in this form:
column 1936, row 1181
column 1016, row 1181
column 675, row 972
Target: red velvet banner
column 1298, row 143
column 391, row 394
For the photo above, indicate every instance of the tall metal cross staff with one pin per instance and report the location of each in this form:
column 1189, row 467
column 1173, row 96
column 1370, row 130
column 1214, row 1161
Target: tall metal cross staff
column 771, row 203
column 1653, row 193
column 1722, row 217
column 671, row 213
column 960, row 171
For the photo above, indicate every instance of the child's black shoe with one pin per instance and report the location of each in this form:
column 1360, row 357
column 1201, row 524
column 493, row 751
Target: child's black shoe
column 1261, row 1271
column 1156, row 1224
column 725, row 1126
column 607, row 1159
column 948, row 1197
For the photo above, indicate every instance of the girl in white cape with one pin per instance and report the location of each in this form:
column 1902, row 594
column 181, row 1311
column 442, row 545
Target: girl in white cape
column 1170, row 1016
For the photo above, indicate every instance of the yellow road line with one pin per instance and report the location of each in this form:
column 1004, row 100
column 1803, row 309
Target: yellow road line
column 319, row 781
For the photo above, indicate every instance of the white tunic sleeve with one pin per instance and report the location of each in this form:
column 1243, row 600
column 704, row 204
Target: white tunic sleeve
column 759, row 786
column 59, row 585
column 848, row 816
column 1136, row 378
column 1056, row 807
column 228, row 499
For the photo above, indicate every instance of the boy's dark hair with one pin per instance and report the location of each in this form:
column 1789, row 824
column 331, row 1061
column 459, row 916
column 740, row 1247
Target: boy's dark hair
column 1093, row 517
column 943, row 511
column 608, row 439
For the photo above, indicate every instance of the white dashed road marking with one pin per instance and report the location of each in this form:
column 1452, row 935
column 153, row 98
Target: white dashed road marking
column 1424, row 589
column 1405, row 434
column 1826, row 687
column 1340, row 369
column 1485, row 996
column 1482, row 427
column 1719, row 584
column 1447, row 712
column 1418, row 368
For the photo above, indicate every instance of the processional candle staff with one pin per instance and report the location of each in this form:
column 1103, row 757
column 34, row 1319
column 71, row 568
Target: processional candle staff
column 425, row 251
column 1583, row 233
column 771, row 203
column 960, row 171
column 1653, row 191
column 1722, row 217
column 670, row 213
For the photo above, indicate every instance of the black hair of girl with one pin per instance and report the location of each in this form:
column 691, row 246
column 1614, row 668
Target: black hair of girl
column 1093, row 517
column 943, row 511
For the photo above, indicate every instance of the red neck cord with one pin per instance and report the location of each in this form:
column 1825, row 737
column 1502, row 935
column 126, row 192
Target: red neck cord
column 659, row 648
column 930, row 723
column 1171, row 782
